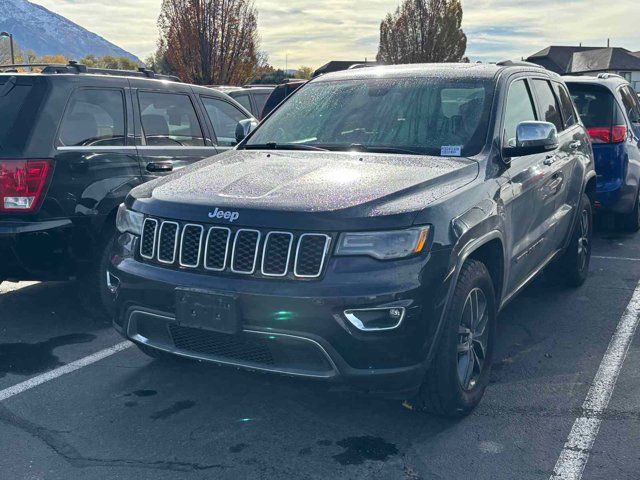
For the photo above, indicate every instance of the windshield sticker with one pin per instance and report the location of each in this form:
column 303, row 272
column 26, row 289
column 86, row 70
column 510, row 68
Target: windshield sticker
column 451, row 150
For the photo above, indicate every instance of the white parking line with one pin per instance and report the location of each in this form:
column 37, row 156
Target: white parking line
column 58, row 372
column 575, row 454
column 627, row 259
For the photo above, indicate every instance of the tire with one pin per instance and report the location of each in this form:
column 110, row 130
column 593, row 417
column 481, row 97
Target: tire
column 629, row 222
column 95, row 296
column 572, row 268
column 448, row 390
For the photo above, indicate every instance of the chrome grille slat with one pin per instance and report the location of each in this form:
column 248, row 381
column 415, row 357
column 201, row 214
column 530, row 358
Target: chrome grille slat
column 243, row 251
column 191, row 246
column 171, row 246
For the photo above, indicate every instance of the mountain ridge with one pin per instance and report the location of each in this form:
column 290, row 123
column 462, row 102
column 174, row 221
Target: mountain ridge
column 37, row 28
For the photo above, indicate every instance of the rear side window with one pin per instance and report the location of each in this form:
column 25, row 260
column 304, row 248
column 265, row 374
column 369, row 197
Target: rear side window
column 224, row 118
column 169, row 119
column 596, row 105
column 94, row 117
column 630, row 102
column 566, row 106
column 260, row 99
column 519, row 109
column 243, row 100
column 20, row 102
column 549, row 109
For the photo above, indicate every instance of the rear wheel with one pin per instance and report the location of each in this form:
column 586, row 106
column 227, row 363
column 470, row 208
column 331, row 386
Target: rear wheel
column 95, row 295
column 630, row 222
column 459, row 374
column 573, row 267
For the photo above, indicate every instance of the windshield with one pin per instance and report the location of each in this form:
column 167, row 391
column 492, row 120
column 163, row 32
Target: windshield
column 427, row 116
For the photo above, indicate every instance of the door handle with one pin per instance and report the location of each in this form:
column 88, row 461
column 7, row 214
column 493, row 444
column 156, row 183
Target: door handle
column 160, row 166
column 549, row 160
column 575, row 145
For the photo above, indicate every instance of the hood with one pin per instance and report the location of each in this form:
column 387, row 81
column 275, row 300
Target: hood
column 270, row 188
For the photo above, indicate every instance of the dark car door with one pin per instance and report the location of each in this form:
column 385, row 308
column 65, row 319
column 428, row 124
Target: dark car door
column 223, row 117
column 529, row 201
column 96, row 160
column 170, row 132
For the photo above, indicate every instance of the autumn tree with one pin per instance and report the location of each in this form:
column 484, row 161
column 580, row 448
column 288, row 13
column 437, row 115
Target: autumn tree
column 305, row 73
column 109, row 61
column 210, row 41
column 423, row 31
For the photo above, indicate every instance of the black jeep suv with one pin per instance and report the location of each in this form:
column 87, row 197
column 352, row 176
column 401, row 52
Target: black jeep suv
column 369, row 230
column 73, row 142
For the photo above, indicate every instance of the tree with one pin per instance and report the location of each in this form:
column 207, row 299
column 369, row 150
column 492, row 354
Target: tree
column 423, row 31
column 305, row 73
column 109, row 61
column 210, row 41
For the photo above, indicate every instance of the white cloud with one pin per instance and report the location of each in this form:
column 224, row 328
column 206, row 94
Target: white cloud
column 313, row 32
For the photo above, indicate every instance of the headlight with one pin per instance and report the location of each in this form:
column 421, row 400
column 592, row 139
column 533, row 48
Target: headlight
column 129, row 221
column 384, row 245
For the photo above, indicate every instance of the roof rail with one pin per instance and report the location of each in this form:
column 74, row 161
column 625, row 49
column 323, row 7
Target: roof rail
column 606, row 75
column 78, row 68
column 518, row 63
column 355, row 66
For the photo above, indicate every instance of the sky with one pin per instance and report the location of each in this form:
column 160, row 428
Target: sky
column 311, row 32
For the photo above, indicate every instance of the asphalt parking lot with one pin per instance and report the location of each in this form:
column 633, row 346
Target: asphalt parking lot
column 126, row 416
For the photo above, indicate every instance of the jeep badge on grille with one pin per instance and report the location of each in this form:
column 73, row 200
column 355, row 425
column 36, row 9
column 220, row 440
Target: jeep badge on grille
column 229, row 215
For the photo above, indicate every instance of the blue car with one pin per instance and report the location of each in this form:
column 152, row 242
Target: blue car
column 610, row 110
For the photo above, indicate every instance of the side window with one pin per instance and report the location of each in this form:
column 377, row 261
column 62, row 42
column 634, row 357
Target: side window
column 94, row 117
column 519, row 108
column 566, row 106
column 224, row 118
column 243, row 100
column 548, row 104
column 630, row 102
column 260, row 99
column 169, row 119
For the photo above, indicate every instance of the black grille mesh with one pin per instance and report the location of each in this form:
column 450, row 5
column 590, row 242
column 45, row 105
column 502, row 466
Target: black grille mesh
column 311, row 252
column 276, row 253
column 190, row 247
column 234, row 347
column 148, row 241
column 168, row 238
column 217, row 248
column 244, row 252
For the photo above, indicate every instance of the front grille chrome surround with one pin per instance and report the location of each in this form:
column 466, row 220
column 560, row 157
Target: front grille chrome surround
column 185, row 229
column 206, row 248
column 265, row 256
column 325, row 250
column 163, row 227
column 256, row 250
column 144, row 245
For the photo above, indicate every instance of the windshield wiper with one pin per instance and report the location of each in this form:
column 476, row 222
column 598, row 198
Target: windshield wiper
column 283, row 146
column 359, row 147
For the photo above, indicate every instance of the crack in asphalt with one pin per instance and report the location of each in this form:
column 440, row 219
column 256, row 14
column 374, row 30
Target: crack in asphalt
column 53, row 440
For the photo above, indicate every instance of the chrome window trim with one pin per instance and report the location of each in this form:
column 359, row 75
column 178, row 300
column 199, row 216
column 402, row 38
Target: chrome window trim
column 84, row 148
column 255, row 256
column 264, row 251
column 155, row 238
column 175, row 243
column 324, row 254
column 184, row 229
column 226, row 250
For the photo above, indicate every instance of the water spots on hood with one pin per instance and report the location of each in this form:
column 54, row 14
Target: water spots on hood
column 33, row 358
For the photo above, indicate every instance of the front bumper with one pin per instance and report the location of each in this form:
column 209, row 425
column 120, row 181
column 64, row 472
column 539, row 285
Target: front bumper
column 296, row 327
column 35, row 250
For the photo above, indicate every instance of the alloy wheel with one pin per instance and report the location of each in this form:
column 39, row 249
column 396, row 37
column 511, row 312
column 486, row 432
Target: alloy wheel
column 473, row 337
column 584, row 244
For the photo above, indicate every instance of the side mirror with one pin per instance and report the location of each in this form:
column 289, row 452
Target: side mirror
column 532, row 138
column 244, row 128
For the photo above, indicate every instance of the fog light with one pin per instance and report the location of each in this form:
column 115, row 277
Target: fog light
column 375, row 319
column 113, row 283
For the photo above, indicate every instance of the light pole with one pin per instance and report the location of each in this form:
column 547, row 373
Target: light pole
column 10, row 37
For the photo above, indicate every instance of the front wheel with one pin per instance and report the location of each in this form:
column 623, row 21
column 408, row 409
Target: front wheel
column 459, row 374
column 573, row 267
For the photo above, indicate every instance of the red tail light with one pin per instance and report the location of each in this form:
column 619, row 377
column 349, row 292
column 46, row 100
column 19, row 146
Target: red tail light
column 22, row 184
column 616, row 134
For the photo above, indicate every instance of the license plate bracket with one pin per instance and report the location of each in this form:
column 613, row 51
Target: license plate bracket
column 207, row 310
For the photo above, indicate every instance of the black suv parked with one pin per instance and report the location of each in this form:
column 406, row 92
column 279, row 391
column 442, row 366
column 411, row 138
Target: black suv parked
column 73, row 142
column 369, row 230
